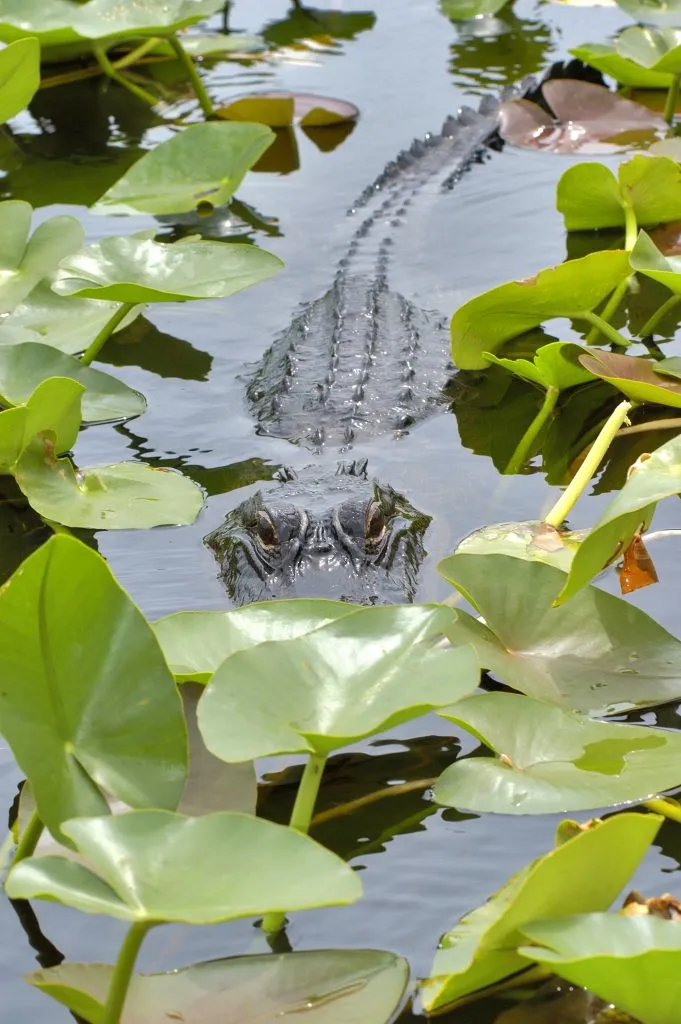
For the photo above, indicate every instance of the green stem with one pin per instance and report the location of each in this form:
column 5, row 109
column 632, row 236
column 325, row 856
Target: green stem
column 672, row 99
column 578, row 484
column 193, row 76
column 301, row 816
column 650, row 325
column 95, row 346
column 109, row 70
column 630, row 229
column 610, row 309
column 526, row 444
column 341, row 810
column 669, row 808
column 607, row 329
column 140, row 51
column 120, row 979
column 29, row 839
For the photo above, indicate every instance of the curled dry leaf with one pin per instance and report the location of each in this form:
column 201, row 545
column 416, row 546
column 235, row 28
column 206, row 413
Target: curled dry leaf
column 665, row 906
column 281, row 109
column 637, row 569
column 586, row 118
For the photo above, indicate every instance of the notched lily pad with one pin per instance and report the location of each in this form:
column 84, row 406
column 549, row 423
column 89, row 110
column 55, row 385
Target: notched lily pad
column 586, row 117
column 282, row 109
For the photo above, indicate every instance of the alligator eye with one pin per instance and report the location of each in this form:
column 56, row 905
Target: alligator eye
column 375, row 522
column 267, row 531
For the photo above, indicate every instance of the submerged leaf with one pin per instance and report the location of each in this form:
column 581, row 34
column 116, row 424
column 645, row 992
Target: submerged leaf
column 281, row 109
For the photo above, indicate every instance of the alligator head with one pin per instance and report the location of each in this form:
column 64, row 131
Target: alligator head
column 367, row 548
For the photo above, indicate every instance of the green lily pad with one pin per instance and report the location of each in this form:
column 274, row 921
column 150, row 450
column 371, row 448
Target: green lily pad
column 49, row 21
column 335, row 986
column 107, row 714
column 129, row 269
column 664, row 13
column 196, row 643
column 282, row 109
column 569, row 290
column 647, row 259
column 122, row 496
column 590, row 197
column 597, row 654
column 109, row 18
column 584, row 874
column 19, row 76
column 607, row 60
column 554, row 366
column 23, row 367
column 630, row 961
column 53, row 410
column 23, row 260
column 354, row 677
column 532, row 540
column 653, row 48
column 144, row 862
column 462, row 10
column 635, row 376
column 203, row 164
column 550, row 760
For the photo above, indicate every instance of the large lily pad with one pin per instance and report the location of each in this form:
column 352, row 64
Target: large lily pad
column 282, row 109
column 569, row 290
column 665, row 13
column 550, row 760
column 647, row 259
column 53, row 410
column 196, row 643
column 82, row 713
column 19, row 76
column 607, row 60
column 590, row 197
column 596, row 654
column 653, row 48
column 584, row 874
column 530, row 539
column 203, row 164
column 462, row 10
column 354, row 677
column 23, row 260
column 330, row 986
column 109, row 18
column 146, row 860
column 49, row 21
column 129, row 269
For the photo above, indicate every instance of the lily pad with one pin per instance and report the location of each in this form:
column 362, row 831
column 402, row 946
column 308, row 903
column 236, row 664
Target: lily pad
column 550, row 760
column 19, row 76
column 129, row 269
column 584, row 874
column 109, row 18
column 23, row 260
column 665, row 13
column 53, row 410
column 107, row 714
column 630, row 961
column 610, row 62
column 653, row 48
column 462, row 10
column 647, row 259
column 196, row 643
column 585, row 117
column 23, row 367
column 202, row 165
column 282, row 109
column 484, row 323
column 122, row 496
column 597, row 654
column 590, row 197
column 554, row 366
column 49, row 21
column 144, row 862
column 354, row 677
column 531, row 540
column 335, row 986
column 635, row 376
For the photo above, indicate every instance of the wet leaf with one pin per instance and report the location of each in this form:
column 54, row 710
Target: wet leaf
column 654, row 49
column 330, row 986
column 354, row 677
column 607, row 60
column 596, row 654
column 554, row 366
column 635, row 376
column 129, row 269
column 23, row 260
column 550, row 761
column 647, row 259
column 53, row 410
column 203, row 164
column 122, row 496
column 569, row 290
column 590, row 197
column 584, row 874
column 196, row 643
column 281, row 109
column 19, row 76
column 144, row 862
column 531, row 540
column 630, row 961
column 107, row 715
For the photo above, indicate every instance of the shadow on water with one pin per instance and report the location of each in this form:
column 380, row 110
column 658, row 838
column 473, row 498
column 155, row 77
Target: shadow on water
column 494, row 52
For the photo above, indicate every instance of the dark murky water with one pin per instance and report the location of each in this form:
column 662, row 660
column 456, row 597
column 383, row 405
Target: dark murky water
column 421, row 867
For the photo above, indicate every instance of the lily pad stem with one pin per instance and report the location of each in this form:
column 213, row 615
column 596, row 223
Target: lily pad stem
column 111, row 72
column 612, row 304
column 669, row 808
column 630, row 233
column 672, row 99
column 120, row 979
column 28, row 840
column 301, row 816
column 135, row 55
column 579, row 482
column 526, row 444
column 650, row 325
column 95, row 346
column 193, row 76
column 607, row 329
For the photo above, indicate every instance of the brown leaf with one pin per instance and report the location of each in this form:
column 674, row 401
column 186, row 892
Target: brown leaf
column 637, row 569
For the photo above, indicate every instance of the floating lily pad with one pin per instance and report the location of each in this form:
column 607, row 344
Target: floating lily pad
column 590, row 197
column 652, row 48
column 49, row 21
column 569, row 290
column 532, row 540
column 196, row 643
column 597, row 654
column 109, row 18
column 202, row 165
column 665, row 13
column 122, row 496
column 551, row 761
column 23, row 260
column 354, row 677
column 52, row 409
column 584, row 874
column 335, row 986
column 634, row 376
column 647, row 259
column 610, row 62
column 108, row 715
column 19, row 76
column 554, row 366
column 129, row 269
column 281, row 109
column 586, row 117
column 462, row 10
column 145, row 862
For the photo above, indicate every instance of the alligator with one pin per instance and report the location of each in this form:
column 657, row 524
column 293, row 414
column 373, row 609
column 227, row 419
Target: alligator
column 360, row 362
